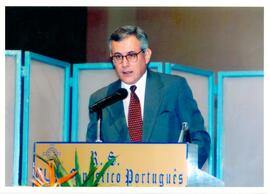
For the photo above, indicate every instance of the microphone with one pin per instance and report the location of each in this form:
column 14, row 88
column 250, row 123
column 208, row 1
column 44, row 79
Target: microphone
column 184, row 135
column 119, row 94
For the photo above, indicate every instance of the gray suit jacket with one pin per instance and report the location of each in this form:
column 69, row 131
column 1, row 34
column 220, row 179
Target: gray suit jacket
column 168, row 103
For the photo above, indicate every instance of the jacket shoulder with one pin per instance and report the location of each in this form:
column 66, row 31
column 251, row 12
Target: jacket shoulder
column 168, row 78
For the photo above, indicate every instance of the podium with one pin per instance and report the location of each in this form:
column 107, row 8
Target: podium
column 197, row 177
column 139, row 165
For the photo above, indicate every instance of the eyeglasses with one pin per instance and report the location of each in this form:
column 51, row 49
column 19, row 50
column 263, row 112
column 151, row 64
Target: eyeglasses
column 131, row 57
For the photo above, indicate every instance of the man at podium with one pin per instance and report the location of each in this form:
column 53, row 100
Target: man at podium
column 155, row 106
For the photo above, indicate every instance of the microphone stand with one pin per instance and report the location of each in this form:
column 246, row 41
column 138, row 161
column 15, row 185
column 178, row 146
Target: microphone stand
column 99, row 118
column 120, row 94
column 184, row 134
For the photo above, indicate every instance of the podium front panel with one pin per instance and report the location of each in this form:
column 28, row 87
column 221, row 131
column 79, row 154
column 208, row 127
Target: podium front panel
column 136, row 165
column 240, row 129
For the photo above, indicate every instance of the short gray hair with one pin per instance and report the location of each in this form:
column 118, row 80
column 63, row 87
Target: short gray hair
column 128, row 30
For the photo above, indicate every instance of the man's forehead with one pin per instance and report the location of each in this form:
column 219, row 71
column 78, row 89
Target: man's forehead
column 128, row 39
column 126, row 45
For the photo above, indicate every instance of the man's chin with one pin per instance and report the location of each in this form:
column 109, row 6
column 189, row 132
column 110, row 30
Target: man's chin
column 128, row 81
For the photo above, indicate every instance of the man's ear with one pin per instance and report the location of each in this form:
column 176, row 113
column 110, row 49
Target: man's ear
column 147, row 54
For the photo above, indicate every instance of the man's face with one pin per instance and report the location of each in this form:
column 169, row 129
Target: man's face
column 128, row 71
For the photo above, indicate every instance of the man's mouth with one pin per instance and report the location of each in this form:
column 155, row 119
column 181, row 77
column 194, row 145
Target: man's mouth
column 127, row 72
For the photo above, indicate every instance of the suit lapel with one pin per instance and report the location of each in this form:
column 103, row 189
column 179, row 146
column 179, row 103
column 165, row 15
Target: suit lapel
column 151, row 103
column 153, row 96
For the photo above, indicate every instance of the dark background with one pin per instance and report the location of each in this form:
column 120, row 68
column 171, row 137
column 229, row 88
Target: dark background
column 209, row 38
column 58, row 32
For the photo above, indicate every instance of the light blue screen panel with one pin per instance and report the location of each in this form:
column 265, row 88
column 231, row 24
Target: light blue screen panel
column 240, row 129
column 13, row 91
column 87, row 78
column 46, row 105
column 201, row 83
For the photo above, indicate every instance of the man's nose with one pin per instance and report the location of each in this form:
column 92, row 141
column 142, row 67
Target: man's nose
column 125, row 62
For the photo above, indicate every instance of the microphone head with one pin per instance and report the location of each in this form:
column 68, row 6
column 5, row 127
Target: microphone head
column 122, row 93
column 119, row 94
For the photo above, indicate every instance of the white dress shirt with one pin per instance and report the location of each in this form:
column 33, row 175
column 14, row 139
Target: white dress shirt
column 140, row 92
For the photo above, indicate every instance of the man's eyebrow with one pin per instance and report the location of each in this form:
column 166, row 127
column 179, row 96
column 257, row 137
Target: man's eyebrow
column 131, row 52
column 117, row 53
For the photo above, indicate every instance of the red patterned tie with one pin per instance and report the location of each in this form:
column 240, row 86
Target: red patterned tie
column 134, row 117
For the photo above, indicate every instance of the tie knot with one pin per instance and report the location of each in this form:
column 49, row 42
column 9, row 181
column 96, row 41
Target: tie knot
column 133, row 88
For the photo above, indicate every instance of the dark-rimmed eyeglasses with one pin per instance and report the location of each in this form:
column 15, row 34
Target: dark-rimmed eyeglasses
column 131, row 57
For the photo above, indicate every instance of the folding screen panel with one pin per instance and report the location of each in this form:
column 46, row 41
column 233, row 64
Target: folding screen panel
column 202, row 86
column 46, row 105
column 240, row 129
column 13, row 91
column 87, row 78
